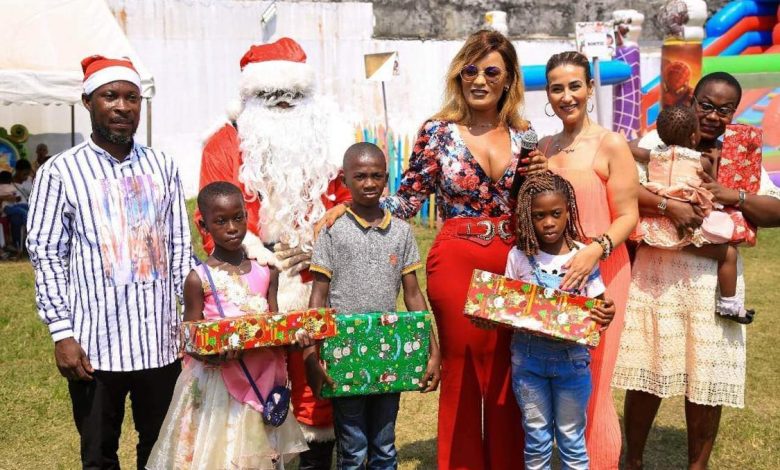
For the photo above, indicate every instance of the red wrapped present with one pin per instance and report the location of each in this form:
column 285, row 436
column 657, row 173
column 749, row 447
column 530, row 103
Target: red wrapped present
column 739, row 168
column 255, row 331
column 538, row 310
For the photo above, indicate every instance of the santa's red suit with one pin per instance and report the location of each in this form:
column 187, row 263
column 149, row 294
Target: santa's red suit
column 220, row 162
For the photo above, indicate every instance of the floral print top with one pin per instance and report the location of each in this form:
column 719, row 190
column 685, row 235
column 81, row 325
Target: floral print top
column 441, row 163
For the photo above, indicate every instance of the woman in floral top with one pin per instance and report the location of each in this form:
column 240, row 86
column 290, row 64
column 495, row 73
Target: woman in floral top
column 467, row 154
column 442, row 163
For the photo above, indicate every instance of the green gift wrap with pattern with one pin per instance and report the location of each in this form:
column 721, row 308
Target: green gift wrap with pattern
column 382, row 352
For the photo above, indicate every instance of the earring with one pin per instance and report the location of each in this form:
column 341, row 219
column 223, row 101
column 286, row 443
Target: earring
column 590, row 105
column 506, row 88
column 551, row 113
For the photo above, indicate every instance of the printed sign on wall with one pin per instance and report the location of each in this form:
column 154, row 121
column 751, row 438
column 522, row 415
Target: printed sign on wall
column 596, row 39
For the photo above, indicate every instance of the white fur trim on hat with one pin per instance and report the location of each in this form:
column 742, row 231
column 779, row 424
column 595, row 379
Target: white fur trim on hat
column 111, row 74
column 276, row 75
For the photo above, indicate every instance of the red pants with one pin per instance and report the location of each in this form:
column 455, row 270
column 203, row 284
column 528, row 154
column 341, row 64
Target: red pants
column 479, row 420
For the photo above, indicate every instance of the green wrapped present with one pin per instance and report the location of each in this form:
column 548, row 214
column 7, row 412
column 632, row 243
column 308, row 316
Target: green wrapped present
column 377, row 353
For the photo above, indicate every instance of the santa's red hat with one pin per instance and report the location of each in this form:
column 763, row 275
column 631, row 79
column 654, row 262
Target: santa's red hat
column 279, row 66
column 99, row 70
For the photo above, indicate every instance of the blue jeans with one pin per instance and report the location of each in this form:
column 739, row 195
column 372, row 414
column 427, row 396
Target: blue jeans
column 365, row 431
column 17, row 215
column 551, row 381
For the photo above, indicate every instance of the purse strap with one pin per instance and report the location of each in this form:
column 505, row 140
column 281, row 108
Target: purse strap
column 222, row 315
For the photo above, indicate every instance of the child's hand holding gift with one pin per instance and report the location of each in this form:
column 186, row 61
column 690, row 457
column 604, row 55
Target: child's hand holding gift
column 432, row 377
column 316, row 375
column 604, row 313
column 303, row 339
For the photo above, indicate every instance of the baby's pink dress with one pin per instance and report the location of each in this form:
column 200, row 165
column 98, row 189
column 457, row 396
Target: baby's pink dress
column 673, row 172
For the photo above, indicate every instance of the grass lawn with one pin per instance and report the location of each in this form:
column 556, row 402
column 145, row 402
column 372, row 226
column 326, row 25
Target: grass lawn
column 37, row 431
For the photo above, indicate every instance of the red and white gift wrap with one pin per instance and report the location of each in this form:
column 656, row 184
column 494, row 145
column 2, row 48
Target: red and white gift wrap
column 537, row 310
column 739, row 167
column 252, row 331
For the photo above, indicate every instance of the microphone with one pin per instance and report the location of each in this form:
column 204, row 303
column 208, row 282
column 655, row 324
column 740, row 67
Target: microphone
column 527, row 144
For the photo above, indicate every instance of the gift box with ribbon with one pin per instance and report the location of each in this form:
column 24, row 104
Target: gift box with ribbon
column 380, row 352
column 538, row 310
column 255, row 331
column 739, row 167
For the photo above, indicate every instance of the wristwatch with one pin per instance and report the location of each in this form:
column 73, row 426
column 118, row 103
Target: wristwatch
column 742, row 197
column 662, row 205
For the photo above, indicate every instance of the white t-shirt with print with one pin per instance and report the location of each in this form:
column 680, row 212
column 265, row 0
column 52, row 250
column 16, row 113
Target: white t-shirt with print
column 519, row 267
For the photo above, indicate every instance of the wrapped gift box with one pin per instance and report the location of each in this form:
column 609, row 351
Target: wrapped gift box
column 538, row 310
column 377, row 353
column 255, row 331
column 739, row 167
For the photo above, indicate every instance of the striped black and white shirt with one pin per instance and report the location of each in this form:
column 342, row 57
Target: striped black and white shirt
column 110, row 245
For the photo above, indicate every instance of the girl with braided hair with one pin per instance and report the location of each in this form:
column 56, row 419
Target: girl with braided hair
column 551, row 378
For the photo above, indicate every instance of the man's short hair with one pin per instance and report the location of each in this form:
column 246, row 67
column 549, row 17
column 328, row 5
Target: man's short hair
column 6, row 177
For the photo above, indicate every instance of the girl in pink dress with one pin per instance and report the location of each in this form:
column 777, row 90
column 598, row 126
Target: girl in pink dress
column 215, row 417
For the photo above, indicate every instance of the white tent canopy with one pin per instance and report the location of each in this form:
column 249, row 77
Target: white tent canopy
column 44, row 42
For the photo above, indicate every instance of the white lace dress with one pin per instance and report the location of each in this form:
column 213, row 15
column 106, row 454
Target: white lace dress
column 673, row 343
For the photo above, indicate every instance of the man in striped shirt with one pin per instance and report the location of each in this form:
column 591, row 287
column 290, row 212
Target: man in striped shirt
column 109, row 240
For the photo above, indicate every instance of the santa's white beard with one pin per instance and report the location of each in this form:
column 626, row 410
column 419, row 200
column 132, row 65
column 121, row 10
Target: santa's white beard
column 285, row 162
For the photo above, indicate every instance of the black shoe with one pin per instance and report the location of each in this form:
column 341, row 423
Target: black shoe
column 746, row 320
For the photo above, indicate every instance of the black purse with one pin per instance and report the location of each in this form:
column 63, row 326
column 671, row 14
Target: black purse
column 277, row 404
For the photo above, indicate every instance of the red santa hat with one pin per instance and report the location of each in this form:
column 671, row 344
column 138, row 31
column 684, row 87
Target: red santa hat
column 99, row 70
column 279, row 66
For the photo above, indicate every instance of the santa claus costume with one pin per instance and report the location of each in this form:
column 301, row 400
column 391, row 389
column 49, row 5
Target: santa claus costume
column 279, row 149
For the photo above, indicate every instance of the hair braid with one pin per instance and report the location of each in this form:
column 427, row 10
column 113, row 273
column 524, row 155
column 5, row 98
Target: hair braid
column 544, row 182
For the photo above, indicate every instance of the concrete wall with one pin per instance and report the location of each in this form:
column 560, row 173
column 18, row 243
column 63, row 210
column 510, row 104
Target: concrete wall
column 445, row 19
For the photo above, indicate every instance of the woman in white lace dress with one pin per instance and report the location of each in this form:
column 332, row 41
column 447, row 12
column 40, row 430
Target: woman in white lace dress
column 673, row 343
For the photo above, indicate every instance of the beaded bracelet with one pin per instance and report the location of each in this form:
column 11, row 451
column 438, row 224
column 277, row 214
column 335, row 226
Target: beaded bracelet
column 611, row 243
column 606, row 246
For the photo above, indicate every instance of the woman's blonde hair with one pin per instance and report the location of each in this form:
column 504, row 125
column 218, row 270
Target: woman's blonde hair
column 478, row 45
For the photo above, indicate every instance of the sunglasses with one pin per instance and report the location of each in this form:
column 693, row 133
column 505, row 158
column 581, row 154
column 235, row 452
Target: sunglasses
column 470, row 73
column 707, row 108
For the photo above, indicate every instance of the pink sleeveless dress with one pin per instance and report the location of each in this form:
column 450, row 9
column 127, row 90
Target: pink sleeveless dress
column 267, row 366
column 593, row 203
column 215, row 420
column 673, row 173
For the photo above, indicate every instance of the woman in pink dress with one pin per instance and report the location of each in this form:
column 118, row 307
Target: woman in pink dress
column 599, row 165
